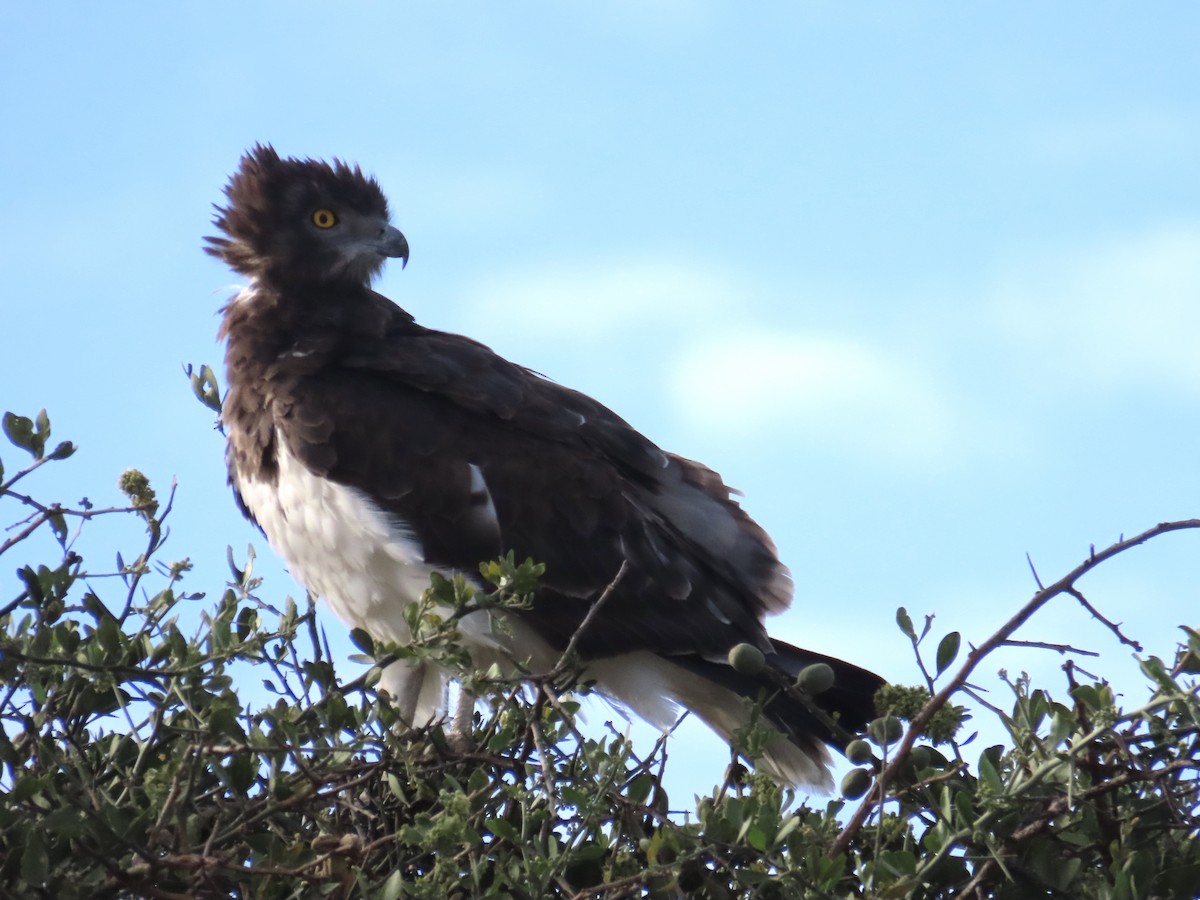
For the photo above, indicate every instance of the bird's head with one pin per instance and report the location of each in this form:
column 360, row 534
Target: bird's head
column 304, row 222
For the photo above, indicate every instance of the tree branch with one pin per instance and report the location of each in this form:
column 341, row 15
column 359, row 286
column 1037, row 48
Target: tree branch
column 1064, row 585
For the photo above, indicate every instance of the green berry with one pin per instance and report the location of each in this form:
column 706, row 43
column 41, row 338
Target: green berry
column 747, row 659
column 815, row 679
column 859, row 752
column 856, row 783
column 886, row 730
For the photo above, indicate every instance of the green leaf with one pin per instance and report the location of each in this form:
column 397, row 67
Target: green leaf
column 65, row 823
column 35, row 863
column 1038, row 706
column 1062, row 723
column 233, row 567
column 247, row 619
column 573, row 795
column 363, row 641
column 988, row 774
column 898, row 862
column 58, row 524
column 639, row 788
column 964, row 808
column 947, row 651
column 394, row 885
column 205, row 387
column 1153, row 667
column 25, row 787
column 20, row 431
column 905, row 622
column 396, row 787
column 109, row 637
column 32, row 584
column 240, row 576
column 790, row 825
column 241, row 770
column 503, row 830
column 1088, row 696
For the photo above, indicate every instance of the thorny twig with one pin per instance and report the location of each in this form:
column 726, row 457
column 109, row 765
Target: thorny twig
column 564, row 661
column 1046, row 645
column 1064, row 585
column 1098, row 616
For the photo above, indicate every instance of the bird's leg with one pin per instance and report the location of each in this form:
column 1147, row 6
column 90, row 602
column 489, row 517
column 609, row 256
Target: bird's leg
column 404, row 682
column 459, row 733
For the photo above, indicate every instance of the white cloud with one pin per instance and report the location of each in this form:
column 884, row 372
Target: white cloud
column 1133, row 133
column 1125, row 313
column 591, row 300
column 841, row 392
column 465, row 200
column 923, row 384
column 487, row 197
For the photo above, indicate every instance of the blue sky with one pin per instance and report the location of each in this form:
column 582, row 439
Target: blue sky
column 922, row 281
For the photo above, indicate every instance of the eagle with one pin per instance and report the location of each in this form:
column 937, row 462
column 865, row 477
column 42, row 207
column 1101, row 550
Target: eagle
column 373, row 452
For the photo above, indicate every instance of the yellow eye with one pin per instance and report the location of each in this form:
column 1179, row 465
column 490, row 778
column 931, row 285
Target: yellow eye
column 324, row 218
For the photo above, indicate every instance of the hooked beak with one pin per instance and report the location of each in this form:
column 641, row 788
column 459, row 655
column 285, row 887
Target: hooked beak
column 394, row 244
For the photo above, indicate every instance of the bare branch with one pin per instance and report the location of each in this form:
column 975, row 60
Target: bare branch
column 32, row 467
column 568, row 654
column 1037, row 578
column 1098, row 616
column 1045, row 645
column 977, row 654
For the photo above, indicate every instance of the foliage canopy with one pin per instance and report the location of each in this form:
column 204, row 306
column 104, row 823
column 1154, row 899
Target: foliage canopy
column 141, row 756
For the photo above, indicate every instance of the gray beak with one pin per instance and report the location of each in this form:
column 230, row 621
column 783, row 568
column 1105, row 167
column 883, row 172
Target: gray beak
column 394, row 244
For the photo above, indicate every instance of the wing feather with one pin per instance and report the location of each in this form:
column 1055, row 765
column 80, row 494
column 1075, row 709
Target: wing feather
column 410, row 415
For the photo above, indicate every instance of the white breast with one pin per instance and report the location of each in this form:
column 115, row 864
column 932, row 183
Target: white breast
column 368, row 566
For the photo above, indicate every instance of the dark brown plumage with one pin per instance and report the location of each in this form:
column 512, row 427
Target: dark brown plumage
column 372, row 450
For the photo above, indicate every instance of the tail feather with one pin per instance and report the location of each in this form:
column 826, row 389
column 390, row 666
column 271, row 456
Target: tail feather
column 851, row 700
column 655, row 687
column 800, row 755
